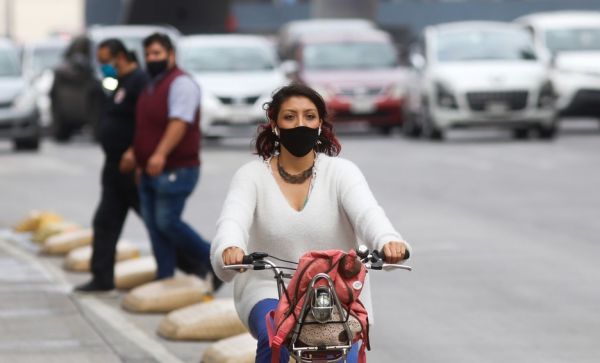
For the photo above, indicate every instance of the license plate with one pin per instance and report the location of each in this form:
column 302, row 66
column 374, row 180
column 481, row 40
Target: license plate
column 496, row 107
column 363, row 106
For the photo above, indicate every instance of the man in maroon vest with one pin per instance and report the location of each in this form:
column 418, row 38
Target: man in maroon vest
column 166, row 148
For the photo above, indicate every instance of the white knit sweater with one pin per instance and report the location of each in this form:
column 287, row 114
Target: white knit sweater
column 341, row 213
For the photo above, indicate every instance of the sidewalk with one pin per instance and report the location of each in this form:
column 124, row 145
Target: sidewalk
column 41, row 320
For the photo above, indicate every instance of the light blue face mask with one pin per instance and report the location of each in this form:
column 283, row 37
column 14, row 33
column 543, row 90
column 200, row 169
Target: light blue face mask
column 108, row 70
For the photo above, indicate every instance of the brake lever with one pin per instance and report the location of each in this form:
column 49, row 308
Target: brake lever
column 239, row 267
column 393, row 266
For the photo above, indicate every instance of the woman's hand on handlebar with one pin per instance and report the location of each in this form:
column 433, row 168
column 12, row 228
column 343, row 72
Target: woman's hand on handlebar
column 394, row 252
column 233, row 256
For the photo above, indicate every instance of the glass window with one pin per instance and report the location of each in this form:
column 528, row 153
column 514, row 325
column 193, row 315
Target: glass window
column 482, row 45
column 573, row 39
column 9, row 63
column 226, row 59
column 349, row 55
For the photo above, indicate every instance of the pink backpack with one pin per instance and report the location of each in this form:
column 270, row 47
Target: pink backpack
column 348, row 275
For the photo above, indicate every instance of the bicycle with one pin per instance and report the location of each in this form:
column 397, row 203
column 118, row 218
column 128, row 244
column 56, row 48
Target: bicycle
column 321, row 301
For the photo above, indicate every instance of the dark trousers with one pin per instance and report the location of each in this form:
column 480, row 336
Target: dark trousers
column 119, row 195
column 163, row 199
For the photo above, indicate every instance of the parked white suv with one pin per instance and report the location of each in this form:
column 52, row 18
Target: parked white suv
column 572, row 39
column 481, row 74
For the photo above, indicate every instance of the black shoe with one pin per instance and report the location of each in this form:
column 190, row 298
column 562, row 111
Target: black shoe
column 93, row 287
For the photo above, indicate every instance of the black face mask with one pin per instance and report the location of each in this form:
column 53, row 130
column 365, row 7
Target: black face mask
column 156, row 67
column 299, row 141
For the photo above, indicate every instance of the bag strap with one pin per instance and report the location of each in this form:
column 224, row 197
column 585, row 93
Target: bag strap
column 275, row 341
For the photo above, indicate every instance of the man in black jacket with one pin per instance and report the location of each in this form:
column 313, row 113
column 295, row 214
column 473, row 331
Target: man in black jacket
column 119, row 190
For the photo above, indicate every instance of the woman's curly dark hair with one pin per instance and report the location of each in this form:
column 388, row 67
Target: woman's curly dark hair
column 265, row 142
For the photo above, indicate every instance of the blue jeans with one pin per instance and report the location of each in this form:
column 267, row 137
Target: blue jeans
column 162, row 201
column 258, row 329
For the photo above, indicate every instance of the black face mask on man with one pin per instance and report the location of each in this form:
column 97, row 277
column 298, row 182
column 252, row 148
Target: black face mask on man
column 155, row 68
column 300, row 140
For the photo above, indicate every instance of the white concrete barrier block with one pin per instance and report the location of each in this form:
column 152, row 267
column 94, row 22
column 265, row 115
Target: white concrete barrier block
column 166, row 295
column 135, row 272
column 211, row 320
column 35, row 219
column 49, row 229
column 237, row 349
column 65, row 242
column 79, row 259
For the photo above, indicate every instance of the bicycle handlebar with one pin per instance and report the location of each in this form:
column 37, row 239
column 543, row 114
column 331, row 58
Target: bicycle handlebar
column 372, row 261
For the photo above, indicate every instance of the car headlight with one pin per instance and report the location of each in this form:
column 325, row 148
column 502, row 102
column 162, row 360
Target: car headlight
column 24, row 102
column 396, row 91
column 444, row 96
column 547, row 95
column 110, row 84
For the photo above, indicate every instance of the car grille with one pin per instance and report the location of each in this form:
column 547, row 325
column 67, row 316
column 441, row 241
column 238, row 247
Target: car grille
column 6, row 104
column 514, row 100
column 250, row 100
column 360, row 91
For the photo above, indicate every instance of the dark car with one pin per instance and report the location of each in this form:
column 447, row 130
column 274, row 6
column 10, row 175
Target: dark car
column 79, row 89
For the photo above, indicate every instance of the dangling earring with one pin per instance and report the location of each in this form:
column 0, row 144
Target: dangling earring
column 276, row 143
column 319, row 135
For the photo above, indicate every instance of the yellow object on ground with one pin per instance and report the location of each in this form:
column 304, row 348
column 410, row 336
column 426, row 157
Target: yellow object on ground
column 33, row 220
column 166, row 295
column 211, row 320
column 79, row 259
column 48, row 229
column 135, row 272
column 237, row 349
column 63, row 243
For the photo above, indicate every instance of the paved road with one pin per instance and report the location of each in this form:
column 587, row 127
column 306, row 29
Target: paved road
column 505, row 236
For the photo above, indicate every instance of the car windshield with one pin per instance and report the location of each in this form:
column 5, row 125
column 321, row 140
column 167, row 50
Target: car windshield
column 226, row 59
column 9, row 64
column 573, row 39
column 483, row 45
column 349, row 55
column 46, row 58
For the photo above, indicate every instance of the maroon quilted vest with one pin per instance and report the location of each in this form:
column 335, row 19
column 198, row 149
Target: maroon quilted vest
column 152, row 118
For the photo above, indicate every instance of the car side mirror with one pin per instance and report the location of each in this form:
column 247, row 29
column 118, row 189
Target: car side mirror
column 417, row 61
column 289, row 67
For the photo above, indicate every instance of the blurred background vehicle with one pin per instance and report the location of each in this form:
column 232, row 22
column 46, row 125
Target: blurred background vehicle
column 79, row 88
column 39, row 61
column 572, row 41
column 19, row 116
column 357, row 71
column 291, row 33
column 237, row 74
column 482, row 74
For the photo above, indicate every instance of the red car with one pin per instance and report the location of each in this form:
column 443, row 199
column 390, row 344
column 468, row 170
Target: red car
column 358, row 75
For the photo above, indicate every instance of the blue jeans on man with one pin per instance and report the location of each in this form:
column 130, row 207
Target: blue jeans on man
column 162, row 202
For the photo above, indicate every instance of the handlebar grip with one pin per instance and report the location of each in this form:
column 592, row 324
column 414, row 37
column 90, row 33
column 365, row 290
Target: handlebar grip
column 247, row 260
column 405, row 257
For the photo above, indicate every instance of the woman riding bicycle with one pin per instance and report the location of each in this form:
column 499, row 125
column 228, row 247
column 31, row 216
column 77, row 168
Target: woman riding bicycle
column 296, row 198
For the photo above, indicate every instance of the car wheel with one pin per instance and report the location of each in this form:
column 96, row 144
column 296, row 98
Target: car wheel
column 431, row 130
column 385, row 130
column 62, row 132
column 28, row 144
column 547, row 132
column 411, row 128
column 520, row 134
